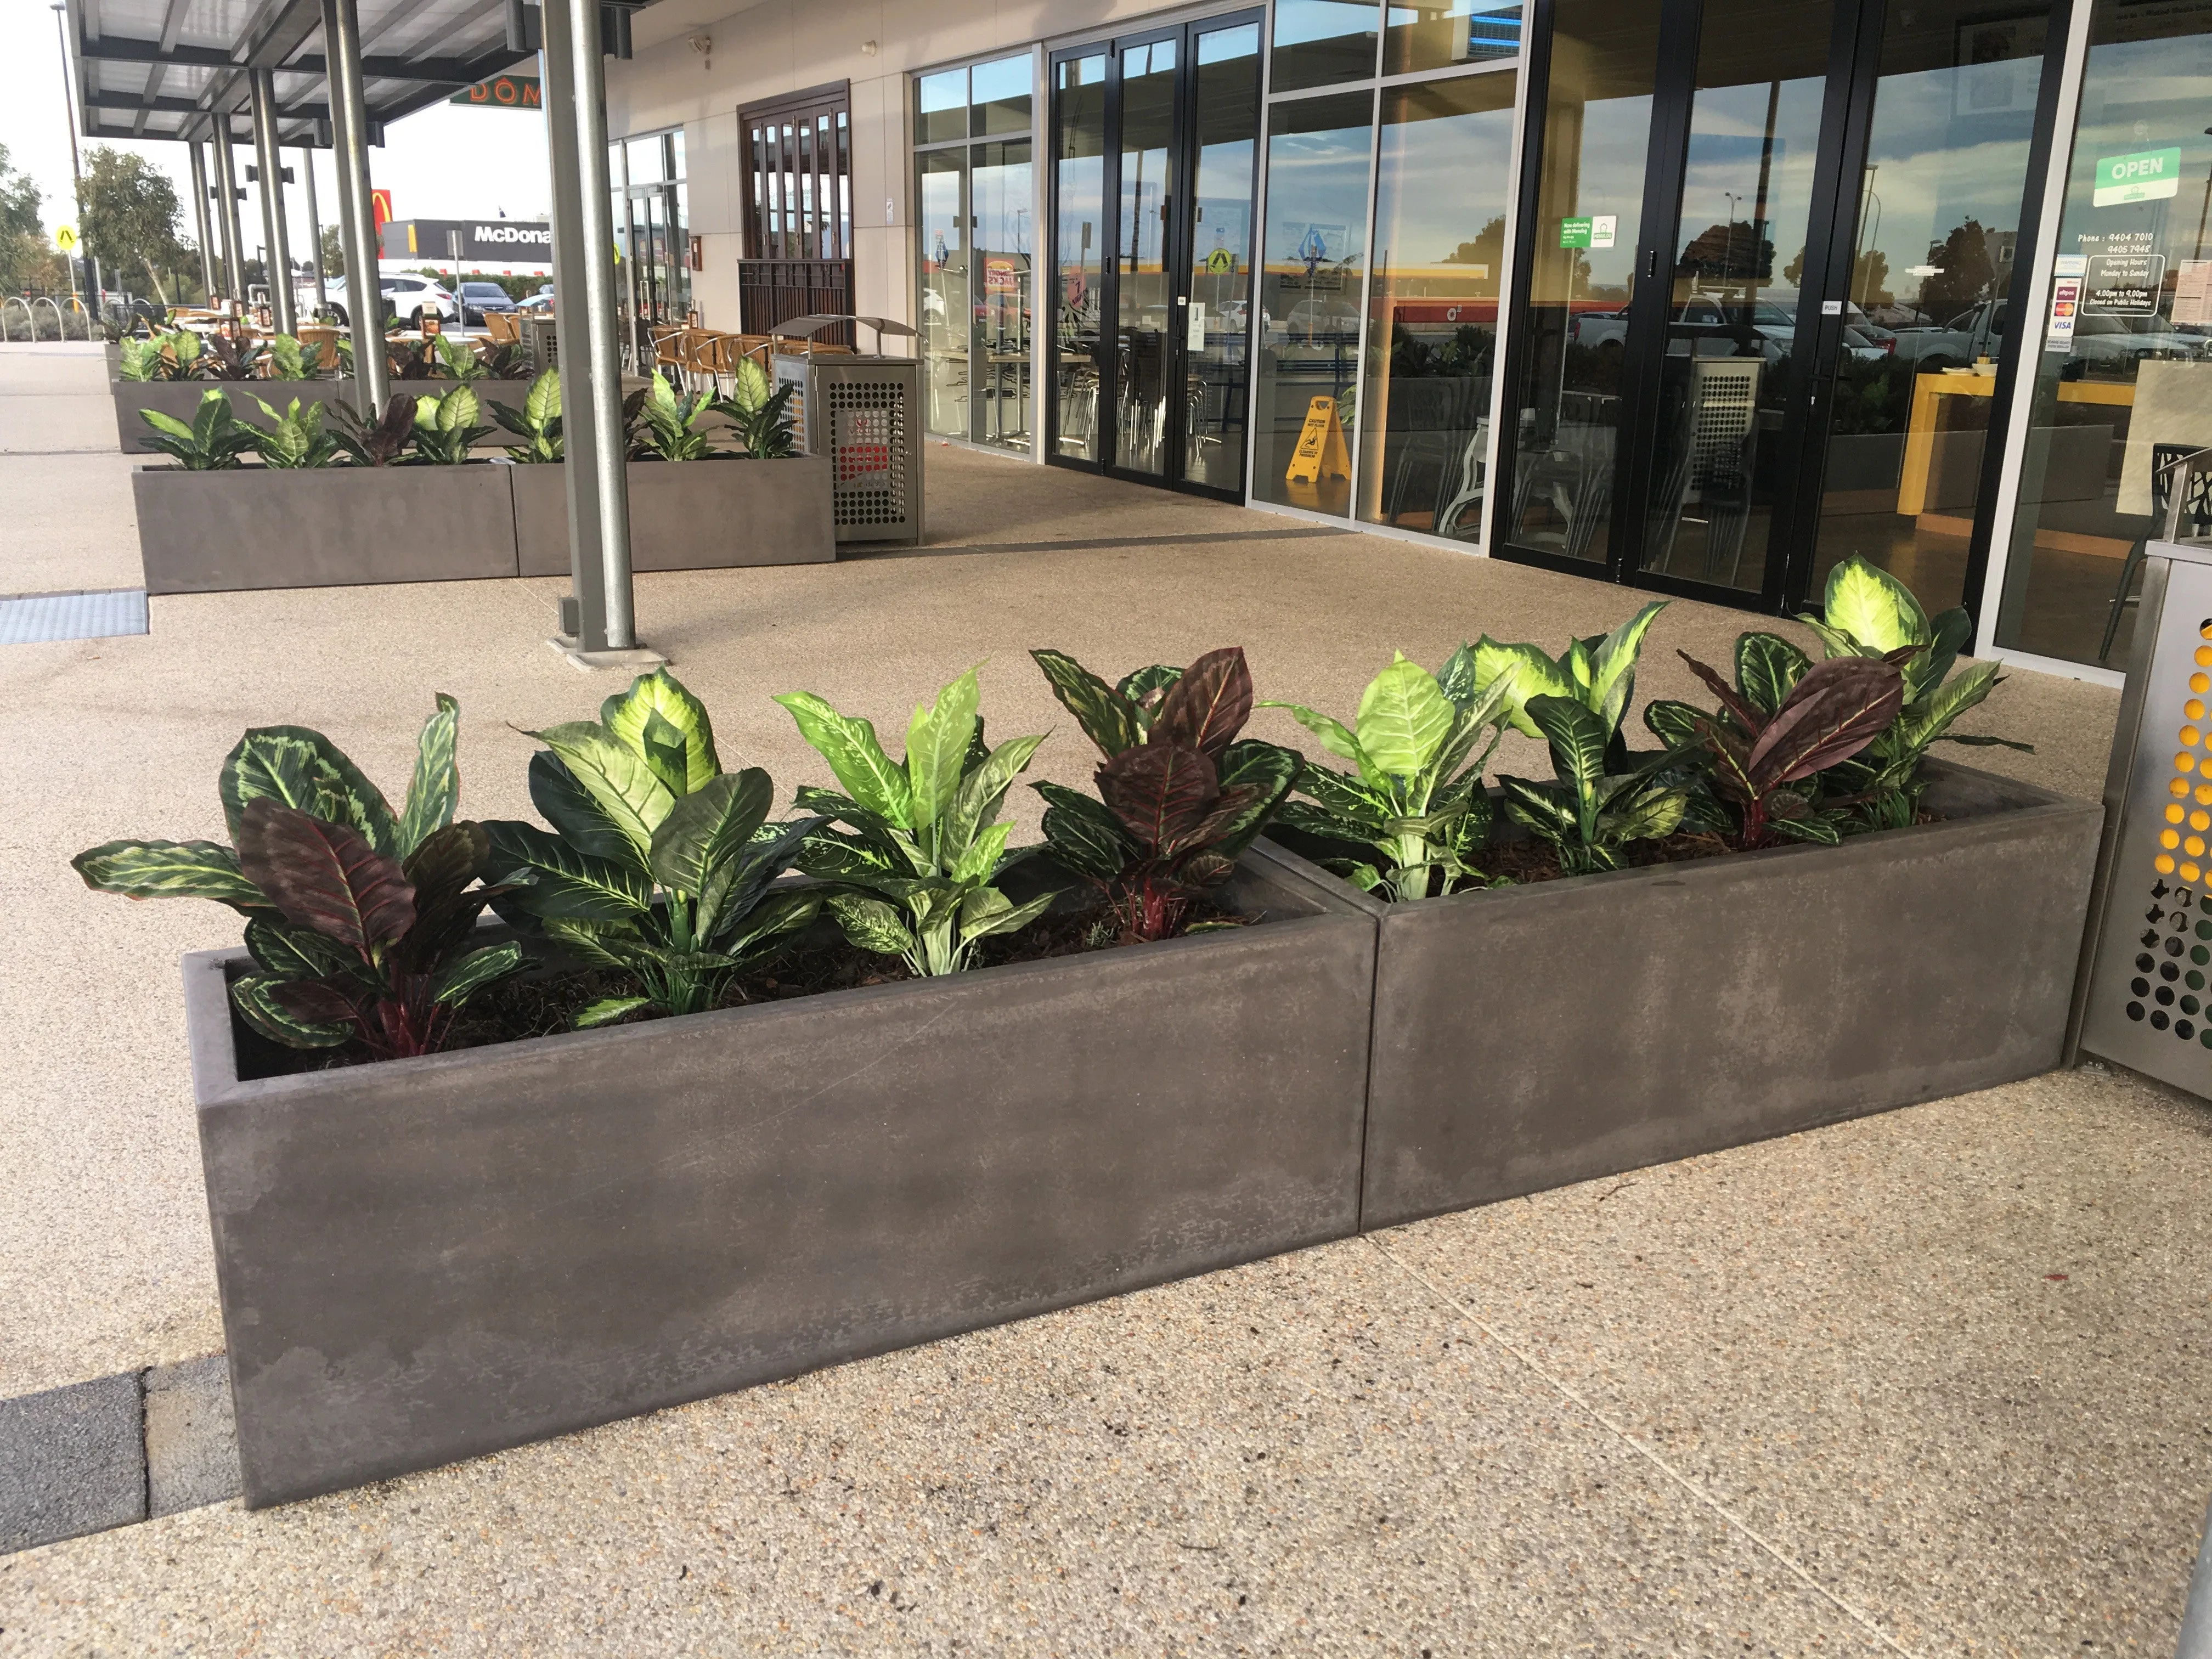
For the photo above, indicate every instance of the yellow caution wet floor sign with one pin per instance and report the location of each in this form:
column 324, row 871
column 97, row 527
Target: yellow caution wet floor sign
column 1320, row 453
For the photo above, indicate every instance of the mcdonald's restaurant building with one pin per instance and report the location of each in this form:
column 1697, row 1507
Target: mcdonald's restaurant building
column 1698, row 296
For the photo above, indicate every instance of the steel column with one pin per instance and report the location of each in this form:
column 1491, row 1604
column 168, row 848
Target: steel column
column 200, row 215
column 587, row 319
column 226, row 185
column 269, row 161
column 357, row 213
column 314, row 229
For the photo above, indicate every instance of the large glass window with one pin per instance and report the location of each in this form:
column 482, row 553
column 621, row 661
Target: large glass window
column 974, row 207
column 1441, row 200
column 1079, row 126
column 1220, row 282
column 1319, row 155
column 1148, row 102
column 1437, row 34
column 1597, row 132
column 2122, row 358
column 1320, row 43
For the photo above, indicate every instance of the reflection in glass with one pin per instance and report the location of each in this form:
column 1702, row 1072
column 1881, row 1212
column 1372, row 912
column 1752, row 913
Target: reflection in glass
column 1316, row 232
column 1939, row 210
column 1318, row 43
column 1597, row 128
column 1432, row 305
column 1435, row 34
column 2115, row 406
column 940, row 107
column 1000, row 94
column 942, row 221
column 1227, row 118
column 1079, row 244
column 1148, row 84
column 1000, row 361
column 1732, row 312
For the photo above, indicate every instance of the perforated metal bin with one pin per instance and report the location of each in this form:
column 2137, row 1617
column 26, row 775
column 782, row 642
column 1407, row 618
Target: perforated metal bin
column 863, row 411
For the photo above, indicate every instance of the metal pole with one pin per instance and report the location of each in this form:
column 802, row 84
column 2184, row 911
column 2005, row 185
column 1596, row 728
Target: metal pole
column 314, row 229
column 269, row 160
column 226, row 196
column 200, row 214
column 349, row 147
column 586, row 569
column 76, row 170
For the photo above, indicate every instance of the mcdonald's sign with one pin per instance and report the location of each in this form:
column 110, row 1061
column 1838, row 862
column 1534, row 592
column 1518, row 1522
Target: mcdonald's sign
column 380, row 204
column 500, row 92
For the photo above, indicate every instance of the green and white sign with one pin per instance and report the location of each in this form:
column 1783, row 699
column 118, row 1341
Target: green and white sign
column 1597, row 231
column 2149, row 175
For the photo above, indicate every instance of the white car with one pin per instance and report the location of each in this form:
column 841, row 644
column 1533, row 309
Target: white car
column 407, row 294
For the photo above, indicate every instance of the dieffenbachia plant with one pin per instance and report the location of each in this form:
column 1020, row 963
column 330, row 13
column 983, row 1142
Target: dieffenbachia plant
column 212, row 443
column 659, row 864
column 1179, row 797
column 291, row 360
column 457, row 360
column 1416, row 795
column 538, row 422
column 445, row 428
column 360, row 920
column 760, row 412
column 294, row 437
column 664, row 426
column 916, row 877
column 169, row 357
column 1868, row 612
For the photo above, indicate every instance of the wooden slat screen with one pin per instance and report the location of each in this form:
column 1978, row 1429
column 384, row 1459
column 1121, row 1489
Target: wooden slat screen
column 798, row 209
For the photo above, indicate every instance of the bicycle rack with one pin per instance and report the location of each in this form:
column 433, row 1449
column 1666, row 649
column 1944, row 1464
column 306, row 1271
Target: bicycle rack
column 30, row 323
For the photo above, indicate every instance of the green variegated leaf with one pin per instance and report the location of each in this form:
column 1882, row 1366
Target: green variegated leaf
column 937, row 750
column 1647, row 816
column 625, row 715
column 170, row 869
column 855, row 757
column 1306, row 818
column 767, row 925
column 579, row 819
column 1932, row 719
column 615, row 777
column 1108, row 718
column 608, row 944
column 302, row 768
column 709, row 829
column 1146, row 687
column 1533, row 674
column 254, row 996
column 466, row 974
column 1950, row 630
column 734, row 887
column 869, row 923
column 543, row 405
column 1403, row 718
column 1677, row 725
column 1547, row 810
column 1344, row 796
column 1266, row 768
column 981, row 856
column 662, row 745
column 1459, row 679
column 1767, row 669
column 1873, row 608
column 1578, row 736
column 985, row 910
column 1088, row 845
column 435, row 789
column 289, row 953
column 607, row 1010
column 1613, row 664
column 1818, row 829
column 559, row 881
column 1334, row 735
column 984, row 787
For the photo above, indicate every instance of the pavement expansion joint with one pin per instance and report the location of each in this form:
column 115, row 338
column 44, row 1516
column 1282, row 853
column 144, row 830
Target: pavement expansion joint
column 1567, row 1391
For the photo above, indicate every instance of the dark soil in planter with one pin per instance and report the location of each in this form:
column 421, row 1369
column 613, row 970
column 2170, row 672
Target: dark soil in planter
column 545, row 1002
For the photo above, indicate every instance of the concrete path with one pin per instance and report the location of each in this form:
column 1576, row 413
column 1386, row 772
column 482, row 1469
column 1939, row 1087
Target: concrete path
column 1929, row 1384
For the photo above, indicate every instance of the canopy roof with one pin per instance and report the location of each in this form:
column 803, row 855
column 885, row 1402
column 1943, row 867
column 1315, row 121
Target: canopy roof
column 169, row 68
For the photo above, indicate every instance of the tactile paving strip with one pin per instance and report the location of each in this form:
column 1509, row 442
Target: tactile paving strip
column 34, row 619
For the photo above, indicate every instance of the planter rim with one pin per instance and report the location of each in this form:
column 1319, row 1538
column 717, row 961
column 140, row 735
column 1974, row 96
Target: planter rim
column 216, row 1081
column 1720, row 868
column 323, row 471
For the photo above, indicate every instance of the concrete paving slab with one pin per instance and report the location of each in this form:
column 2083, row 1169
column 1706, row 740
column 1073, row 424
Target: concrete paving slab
column 71, row 1462
column 66, row 422
column 1311, row 1455
column 71, row 523
column 1950, row 1359
column 191, row 1437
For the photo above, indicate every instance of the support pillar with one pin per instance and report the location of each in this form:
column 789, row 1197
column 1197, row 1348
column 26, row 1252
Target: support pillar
column 200, row 216
column 226, row 186
column 587, row 325
column 356, row 210
column 269, row 161
column 314, row 229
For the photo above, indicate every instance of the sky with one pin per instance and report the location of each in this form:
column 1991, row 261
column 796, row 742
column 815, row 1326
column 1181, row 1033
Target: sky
column 441, row 163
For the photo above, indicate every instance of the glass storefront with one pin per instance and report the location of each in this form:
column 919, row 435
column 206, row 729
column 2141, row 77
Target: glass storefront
column 652, row 244
column 2121, row 358
column 973, row 213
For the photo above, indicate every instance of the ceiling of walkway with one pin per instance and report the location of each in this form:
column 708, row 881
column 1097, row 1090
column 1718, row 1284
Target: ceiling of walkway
column 168, row 68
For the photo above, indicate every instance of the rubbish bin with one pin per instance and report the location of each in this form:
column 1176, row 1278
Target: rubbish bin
column 863, row 410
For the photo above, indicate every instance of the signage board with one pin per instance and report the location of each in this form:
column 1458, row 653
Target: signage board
column 1595, row 230
column 381, row 203
column 499, row 92
column 65, row 238
column 2144, row 175
column 2065, row 307
column 2123, row 285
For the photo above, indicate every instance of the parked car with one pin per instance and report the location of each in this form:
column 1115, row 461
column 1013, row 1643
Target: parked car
column 478, row 298
column 540, row 301
column 1719, row 328
column 406, row 295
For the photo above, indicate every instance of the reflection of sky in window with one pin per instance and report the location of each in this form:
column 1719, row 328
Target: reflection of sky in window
column 2160, row 85
column 1317, row 179
column 1302, row 22
column 1616, row 138
column 1934, row 169
column 1442, row 180
column 1728, row 136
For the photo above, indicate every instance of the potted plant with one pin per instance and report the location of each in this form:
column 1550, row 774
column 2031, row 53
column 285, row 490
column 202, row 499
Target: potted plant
column 693, row 506
column 168, row 373
column 422, row 1259
column 1820, row 961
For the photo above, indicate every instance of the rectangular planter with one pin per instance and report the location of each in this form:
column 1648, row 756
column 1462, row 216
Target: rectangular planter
column 261, row 528
column 1532, row 1037
column 430, row 1259
column 182, row 398
column 691, row 515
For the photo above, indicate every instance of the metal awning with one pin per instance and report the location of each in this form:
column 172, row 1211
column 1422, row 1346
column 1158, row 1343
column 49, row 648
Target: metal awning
column 167, row 68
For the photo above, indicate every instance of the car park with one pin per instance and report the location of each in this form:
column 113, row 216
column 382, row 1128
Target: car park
column 406, row 294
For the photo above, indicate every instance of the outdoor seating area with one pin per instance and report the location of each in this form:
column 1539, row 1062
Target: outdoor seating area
column 1698, row 1255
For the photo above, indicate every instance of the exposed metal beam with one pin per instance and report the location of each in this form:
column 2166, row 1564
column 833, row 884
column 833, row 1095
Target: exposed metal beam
column 294, row 22
column 269, row 162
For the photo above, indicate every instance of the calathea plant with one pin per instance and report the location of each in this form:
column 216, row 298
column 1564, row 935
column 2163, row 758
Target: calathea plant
column 227, row 359
column 538, row 422
column 211, row 443
column 359, row 919
column 659, row 863
column 915, row 877
column 1782, row 726
column 1179, row 797
column 445, row 428
column 1868, row 612
column 761, row 412
column 1415, row 796
column 664, row 426
column 382, row 441
column 295, row 437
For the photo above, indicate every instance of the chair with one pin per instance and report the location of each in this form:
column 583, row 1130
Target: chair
column 2165, row 460
column 501, row 327
column 1466, row 484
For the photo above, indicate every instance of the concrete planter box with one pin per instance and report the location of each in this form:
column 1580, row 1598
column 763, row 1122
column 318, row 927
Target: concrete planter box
column 182, row 397
column 691, row 515
column 1533, row 1036
column 260, row 527
column 431, row 1259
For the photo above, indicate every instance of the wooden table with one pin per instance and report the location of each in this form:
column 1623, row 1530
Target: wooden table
column 1927, row 392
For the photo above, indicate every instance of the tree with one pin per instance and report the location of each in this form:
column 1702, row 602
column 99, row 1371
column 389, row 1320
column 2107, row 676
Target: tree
column 333, row 252
column 1965, row 275
column 128, row 216
column 23, row 249
column 1733, row 253
column 1488, row 249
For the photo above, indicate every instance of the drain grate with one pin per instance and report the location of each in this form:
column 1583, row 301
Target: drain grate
column 31, row 618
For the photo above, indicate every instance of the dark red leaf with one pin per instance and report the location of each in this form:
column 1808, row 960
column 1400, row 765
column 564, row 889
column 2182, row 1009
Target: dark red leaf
column 1208, row 706
column 1159, row 791
column 442, row 869
column 1226, row 808
column 317, row 1000
column 1836, row 710
column 324, row 876
column 1742, row 711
